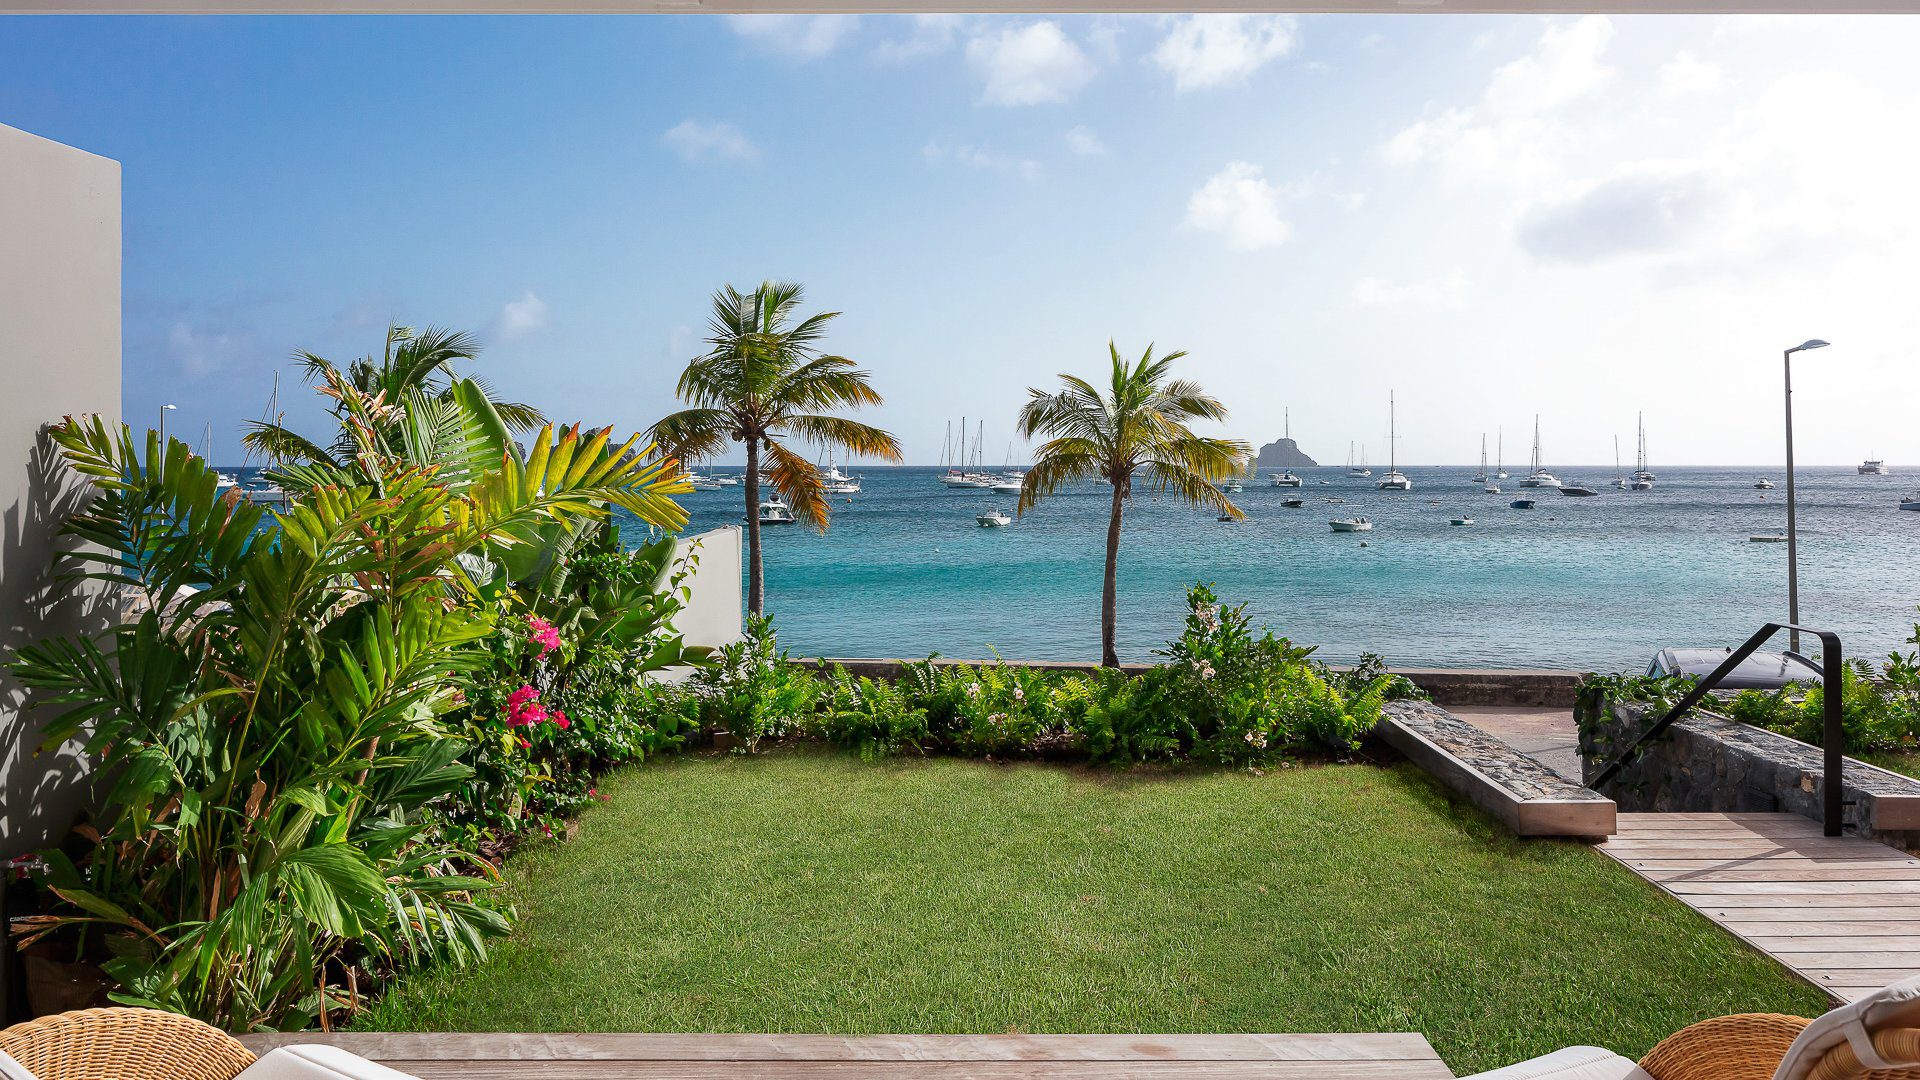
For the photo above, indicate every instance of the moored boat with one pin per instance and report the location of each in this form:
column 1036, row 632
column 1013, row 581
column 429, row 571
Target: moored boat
column 1873, row 467
column 1347, row 525
column 994, row 519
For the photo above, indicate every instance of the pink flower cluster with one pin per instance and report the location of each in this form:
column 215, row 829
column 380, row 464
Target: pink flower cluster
column 542, row 633
column 524, row 710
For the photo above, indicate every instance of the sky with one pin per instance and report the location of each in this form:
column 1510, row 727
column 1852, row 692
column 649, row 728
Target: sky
column 1488, row 217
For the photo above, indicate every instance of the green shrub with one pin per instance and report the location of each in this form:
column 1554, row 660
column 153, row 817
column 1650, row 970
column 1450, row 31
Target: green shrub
column 872, row 718
column 752, row 691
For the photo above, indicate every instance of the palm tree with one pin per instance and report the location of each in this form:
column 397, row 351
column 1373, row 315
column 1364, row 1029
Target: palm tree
column 1138, row 426
column 766, row 379
column 416, row 367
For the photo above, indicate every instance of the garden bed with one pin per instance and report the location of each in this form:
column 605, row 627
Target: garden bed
column 806, row 891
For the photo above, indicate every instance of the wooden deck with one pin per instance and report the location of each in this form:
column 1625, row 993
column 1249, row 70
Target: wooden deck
column 1843, row 912
column 447, row 1056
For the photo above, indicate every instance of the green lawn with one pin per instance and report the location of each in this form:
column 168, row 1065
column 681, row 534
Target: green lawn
column 801, row 891
column 1905, row 762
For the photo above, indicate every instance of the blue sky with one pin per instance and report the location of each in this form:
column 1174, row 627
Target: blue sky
column 1492, row 216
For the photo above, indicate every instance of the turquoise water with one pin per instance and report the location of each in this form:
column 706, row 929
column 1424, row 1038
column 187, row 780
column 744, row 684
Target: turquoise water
column 1594, row 583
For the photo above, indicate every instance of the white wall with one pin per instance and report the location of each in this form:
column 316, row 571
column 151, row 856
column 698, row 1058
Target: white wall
column 713, row 613
column 59, row 354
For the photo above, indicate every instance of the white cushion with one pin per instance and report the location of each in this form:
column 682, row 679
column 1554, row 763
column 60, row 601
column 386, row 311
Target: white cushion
column 313, row 1061
column 1573, row 1063
column 1892, row 1006
column 11, row 1069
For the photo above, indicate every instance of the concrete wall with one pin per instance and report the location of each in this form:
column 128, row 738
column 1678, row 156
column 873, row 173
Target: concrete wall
column 712, row 616
column 59, row 354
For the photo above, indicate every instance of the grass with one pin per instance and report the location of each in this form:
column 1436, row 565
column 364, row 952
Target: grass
column 1904, row 762
column 802, row 891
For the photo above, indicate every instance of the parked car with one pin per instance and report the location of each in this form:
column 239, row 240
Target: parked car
column 1760, row 671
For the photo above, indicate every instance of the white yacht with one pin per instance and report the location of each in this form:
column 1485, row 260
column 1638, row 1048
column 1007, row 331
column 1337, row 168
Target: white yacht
column 1232, row 485
column 775, row 511
column 727, row 481
column 1499, row 454
column 702, row 483
column 1358, row 524
column 1010, row 484
column 1394, row 479
column 1481, row 476
column 994, row 519
column 1763, row 484
column 1642, row 479
column 1284, row 478
column 1871, row 467
column 1539, row 477
column 1358, row 469
column 835, row 482
column 1619, row 479
column 222, row 481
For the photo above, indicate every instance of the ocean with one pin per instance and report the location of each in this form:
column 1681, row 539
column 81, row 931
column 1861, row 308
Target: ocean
column 1598, row 583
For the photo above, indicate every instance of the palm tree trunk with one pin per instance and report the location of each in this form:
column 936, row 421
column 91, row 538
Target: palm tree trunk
column 756, row 576
column 1110, row 594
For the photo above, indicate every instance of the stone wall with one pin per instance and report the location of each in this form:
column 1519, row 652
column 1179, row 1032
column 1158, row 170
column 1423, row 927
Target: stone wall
column 1709, row 763
column 1447, row 686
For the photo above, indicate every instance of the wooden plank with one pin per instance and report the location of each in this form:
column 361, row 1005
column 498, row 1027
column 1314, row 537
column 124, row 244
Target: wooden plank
column 1848, row 925
column 1813, row 872
column 1907, row 960
column 647, row 1046
column 1878, row 901
column 1790, row 888
column 1735, row 847
column 1782, row 861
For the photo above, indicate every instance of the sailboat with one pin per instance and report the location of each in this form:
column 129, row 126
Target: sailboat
column 1619, row 481
column 1394, row 480
column 835, row 482
column 1360, row 469
column 1285, row 478
column 1499, row 454
column 1642, row 479
column 963, row 470
column 1539, row 477
column 1481, row 476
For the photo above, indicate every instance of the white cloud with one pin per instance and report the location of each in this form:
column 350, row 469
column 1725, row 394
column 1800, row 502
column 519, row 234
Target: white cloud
column 1031, row 64
column 931, row 34
column 803, row 36
column 1448, row 292
column 1083, row 142
column 1643, row 207
column 974, row 157
column 1202, row 51
column 1239, row 204
column 204, row 348
column 1519, row 120
column 520, row 317
column 1687, row 74
column 700, row 142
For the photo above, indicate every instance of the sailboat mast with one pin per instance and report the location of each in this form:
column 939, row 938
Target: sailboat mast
column 1393, row 436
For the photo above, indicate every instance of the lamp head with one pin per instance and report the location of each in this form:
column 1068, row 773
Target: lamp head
column 169, row 408
column 1812, row 343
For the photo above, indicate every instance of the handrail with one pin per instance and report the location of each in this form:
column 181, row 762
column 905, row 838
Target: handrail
column 1833, row 736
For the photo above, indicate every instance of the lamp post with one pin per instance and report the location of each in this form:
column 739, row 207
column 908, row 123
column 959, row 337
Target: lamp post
column 1793, row 535
column 164, row 410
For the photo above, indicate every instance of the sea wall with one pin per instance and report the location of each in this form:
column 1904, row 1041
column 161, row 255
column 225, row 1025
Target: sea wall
column 1708, row 763
column 1447, row 686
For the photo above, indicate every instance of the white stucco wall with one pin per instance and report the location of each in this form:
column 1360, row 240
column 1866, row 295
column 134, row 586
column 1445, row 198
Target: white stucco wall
column 59, row 354
column 712, row 616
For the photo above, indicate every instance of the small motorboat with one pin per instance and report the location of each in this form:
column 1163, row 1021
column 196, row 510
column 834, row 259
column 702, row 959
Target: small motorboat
column 994, row 519
column 775, row 511
column 1763, row 484
column 1284, row 478
column 1225, row 517
column 1347, row 525
column 1911, row 502
column 1008, row 485
column 1232, row 486
column 1768, row 538
column 1521, row 504
column 1493, row 489
column 1577, row 492
column 1460, row 521
column 727, row 481
column 1293, row 504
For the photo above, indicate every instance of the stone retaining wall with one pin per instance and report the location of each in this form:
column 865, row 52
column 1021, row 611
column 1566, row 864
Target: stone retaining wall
column 1447, row 686
column 1708, row 763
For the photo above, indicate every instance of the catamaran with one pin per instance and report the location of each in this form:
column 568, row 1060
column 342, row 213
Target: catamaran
column 1539, row 476
column 1394, row 480
column 1642, row 479
column 1873, row 467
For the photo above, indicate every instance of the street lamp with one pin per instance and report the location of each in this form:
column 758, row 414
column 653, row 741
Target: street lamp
column 1793, row 535
column 164, row 410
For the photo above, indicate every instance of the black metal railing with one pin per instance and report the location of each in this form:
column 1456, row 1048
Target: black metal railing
column 1833, row 735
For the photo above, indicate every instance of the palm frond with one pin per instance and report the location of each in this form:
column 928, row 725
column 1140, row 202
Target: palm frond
column 862, row 440
column 796, row 478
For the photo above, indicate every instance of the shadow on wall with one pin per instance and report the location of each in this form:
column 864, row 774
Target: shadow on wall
column 42, row 793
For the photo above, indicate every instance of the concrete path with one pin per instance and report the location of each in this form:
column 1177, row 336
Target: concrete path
column 1547, row 736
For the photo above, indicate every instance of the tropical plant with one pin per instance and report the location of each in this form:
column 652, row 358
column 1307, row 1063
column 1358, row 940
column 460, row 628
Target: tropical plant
column 765, row 380
column 1139, row 425
column 404, row 400
column 268, row 720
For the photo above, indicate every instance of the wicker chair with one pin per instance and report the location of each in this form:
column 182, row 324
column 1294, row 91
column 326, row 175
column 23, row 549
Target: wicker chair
column 1750, row 1047
column 124, row 1044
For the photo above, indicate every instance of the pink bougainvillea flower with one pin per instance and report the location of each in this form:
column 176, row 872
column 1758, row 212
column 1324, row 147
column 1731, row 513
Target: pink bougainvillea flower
column 521, row 696
column 524, row 708
column 542, row 633
column 525, row 745
column 559, row 719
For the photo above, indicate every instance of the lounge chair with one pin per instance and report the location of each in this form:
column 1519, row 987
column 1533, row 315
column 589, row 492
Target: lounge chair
column 145, row 1044
column 1875, row 1038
